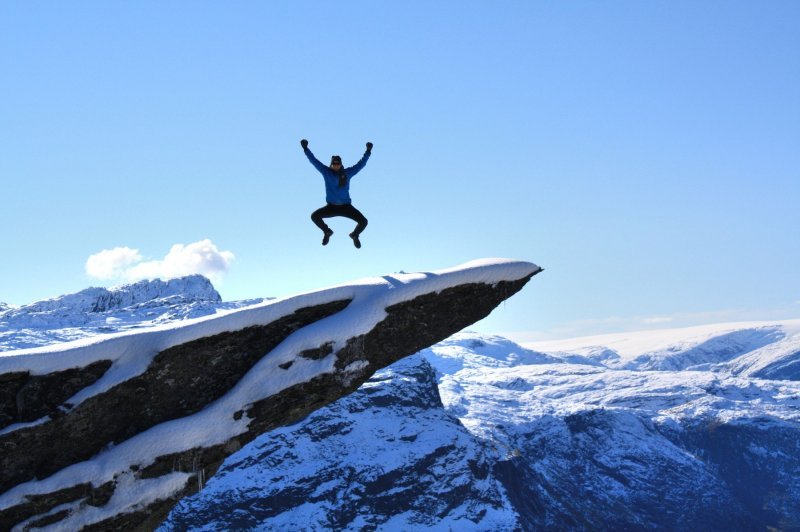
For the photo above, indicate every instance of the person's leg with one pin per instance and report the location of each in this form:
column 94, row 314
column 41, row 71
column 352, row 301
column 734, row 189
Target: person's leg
column 361, row 222
column 317, row 217
column 355, row 215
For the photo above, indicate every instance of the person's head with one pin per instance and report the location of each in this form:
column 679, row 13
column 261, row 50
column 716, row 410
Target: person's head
column 336, row 163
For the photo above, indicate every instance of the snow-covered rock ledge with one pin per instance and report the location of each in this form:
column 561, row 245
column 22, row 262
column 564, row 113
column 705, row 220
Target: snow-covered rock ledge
column 110, row 433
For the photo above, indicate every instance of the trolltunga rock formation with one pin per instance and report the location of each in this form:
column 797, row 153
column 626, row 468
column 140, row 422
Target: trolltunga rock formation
column 110, row 433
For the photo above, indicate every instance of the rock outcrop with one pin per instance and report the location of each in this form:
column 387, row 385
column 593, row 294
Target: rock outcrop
column 111, row 433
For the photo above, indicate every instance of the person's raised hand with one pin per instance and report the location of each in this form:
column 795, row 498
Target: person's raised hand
column 304, row 143
column 369, row 147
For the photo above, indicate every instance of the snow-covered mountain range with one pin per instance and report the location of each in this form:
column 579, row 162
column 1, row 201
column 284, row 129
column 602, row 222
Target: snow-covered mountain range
column 695, row 428
column 480, row 433
column 101, row 311
column 769, row 350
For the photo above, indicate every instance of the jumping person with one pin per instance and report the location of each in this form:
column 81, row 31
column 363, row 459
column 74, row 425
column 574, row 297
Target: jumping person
column 337, row 193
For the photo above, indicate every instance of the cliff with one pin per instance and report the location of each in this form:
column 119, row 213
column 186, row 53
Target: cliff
column 110, row 433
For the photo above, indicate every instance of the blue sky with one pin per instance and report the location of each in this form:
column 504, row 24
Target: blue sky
column 647, row 154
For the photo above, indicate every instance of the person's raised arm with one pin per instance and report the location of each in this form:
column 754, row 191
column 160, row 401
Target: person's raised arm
column 353, row 170
column 313, row 160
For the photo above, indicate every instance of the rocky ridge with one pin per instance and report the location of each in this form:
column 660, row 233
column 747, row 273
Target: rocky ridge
column 128, row 450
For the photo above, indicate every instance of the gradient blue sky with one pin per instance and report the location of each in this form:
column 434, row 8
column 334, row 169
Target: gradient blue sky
column 647, row 154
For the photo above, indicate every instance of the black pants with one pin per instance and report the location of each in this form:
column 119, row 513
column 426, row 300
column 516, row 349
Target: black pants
column 348, row 211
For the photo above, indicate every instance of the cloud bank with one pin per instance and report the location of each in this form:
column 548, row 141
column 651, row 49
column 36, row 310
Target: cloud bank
column 128, row 265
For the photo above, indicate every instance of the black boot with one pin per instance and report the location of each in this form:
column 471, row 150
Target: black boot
column 356, row 241
column 327, row 237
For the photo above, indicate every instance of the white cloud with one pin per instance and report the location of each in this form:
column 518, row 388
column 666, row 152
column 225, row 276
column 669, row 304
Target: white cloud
column 126, row 264
column 112, row 263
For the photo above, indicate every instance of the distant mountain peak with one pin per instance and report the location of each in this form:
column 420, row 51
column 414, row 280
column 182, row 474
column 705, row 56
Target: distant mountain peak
column 193, row 287
column 50, row 320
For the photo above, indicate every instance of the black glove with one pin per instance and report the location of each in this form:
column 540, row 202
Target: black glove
column 304, row 144
column 369, row 147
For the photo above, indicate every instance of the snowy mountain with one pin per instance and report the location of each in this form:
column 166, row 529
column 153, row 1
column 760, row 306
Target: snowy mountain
column 100, row 311
column 695, row 428
column 552, row 440
column 388, row 456
column 755, row 349
column 144, row 418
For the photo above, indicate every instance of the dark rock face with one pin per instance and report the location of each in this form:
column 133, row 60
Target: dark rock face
column 614, row 468
column 409, row 327
column 398, row 453
column 26, row 398
column 705, row 476
column 179, row 382
column 186, row 378
column 759, row 464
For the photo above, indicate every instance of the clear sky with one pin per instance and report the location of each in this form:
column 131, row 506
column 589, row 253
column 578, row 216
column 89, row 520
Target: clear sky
column 647, row 154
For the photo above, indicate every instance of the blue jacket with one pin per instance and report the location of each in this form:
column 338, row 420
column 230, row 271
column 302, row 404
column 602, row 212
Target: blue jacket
column 333, row 192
